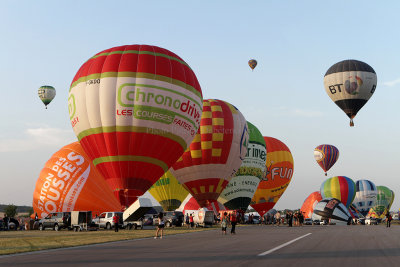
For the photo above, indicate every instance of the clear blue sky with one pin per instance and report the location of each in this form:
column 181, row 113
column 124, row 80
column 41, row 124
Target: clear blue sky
column 295, row 42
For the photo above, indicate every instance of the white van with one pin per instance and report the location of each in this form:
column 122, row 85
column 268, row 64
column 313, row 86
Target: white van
column 201, row 217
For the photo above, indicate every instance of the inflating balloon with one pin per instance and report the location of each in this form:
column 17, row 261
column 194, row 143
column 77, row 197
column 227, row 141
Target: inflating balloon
column 68, row 182
column 135, row 109
column 238, row 193
column 366, row 195
column 46, row 94
column 215, row 154
column 309, row 204
column 350, row 84
column 168, row 192
column 340, row 187
column 383, row 202
column 252, row 63
column 326, row 156
column 332, row 209
column 279, row 172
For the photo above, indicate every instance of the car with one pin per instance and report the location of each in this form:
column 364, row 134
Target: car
column 308, row 221
column 371, row 221
column 105, row 220
column 55, row 221
column 361, row 221
column 173, row 218
column 316, row 222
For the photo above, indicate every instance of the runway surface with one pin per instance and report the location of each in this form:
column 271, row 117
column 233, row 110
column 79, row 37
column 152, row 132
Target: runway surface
column 252, row 245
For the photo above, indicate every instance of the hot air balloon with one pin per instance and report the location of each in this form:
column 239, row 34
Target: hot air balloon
column 332, row 209
column 350, row 84
column 252, row 64
column 279, row 172
column 340, row 187
column 309, row 204
column 46, row 94
column 383, row 202
column 215, row 154
column 238, row 193
column 366, row 194
column 326, row 156
column 135, row 110
column 69, row 181
column 168, row 192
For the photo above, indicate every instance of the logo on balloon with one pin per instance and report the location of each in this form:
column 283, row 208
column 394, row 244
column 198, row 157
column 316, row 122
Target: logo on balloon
column 71, row 106
column 352, row 84
column 157, row 103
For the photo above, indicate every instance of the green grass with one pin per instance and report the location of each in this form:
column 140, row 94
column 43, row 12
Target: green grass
column 25, row 241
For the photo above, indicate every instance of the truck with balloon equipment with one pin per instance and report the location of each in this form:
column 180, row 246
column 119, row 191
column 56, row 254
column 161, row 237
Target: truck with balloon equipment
column 201, row 217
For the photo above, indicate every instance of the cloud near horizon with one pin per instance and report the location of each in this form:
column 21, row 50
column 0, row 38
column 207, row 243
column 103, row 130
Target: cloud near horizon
column 392, row 83
column 35, row 138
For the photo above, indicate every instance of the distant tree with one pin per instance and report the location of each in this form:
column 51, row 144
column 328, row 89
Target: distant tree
column 30, row 211
column 10, row 210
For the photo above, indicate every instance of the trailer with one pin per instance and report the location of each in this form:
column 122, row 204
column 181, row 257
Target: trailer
column 134, row 215
column 82, row 221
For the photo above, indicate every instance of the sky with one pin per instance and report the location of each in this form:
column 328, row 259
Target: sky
column 294, row 42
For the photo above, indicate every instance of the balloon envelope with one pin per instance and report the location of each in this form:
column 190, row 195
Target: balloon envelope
column 69, row 181
column 46, row 94
column 240, row 190
column 252, row 63
column 366, row 195
column 215, row 154
column 279, row 172
column 333, row 209
column 309, row 204
column 168, row 192
column 135, row 109
column 340, row 187
column 326, row 156
column 350, row 84
column 383, row 202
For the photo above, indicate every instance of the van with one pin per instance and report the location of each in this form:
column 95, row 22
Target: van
column 202, row 217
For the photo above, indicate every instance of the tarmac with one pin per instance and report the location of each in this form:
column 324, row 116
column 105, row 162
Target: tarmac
column 319, row 245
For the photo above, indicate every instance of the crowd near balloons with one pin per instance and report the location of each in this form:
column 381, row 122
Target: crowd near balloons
column 142, row 125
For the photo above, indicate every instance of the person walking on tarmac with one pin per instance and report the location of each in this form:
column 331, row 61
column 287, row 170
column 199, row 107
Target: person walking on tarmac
column 224, row 222
column 116, row 222
column 233, row 220
column 161, row 225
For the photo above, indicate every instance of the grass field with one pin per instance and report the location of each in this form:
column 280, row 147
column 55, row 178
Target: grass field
column 25, row 241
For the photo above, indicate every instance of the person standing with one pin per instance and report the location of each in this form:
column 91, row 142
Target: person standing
column 161, row 225
column 290, row 221
column 187, row 220
column 278, row 218
column 388, row 219
column 233, row 220
column 191, row 220
column 116, row 222
column 224, row 223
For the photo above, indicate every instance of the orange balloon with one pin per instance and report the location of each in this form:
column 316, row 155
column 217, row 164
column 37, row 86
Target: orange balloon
column 279, row 172
column 309, row 204
column 69, row 181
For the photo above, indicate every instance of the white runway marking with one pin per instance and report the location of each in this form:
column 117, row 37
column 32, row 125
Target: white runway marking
column 283, row 245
